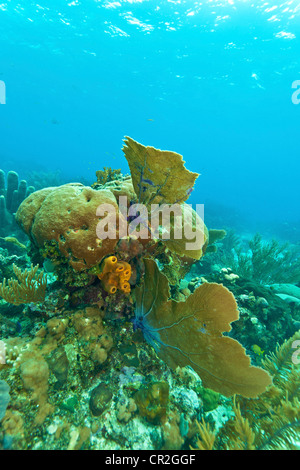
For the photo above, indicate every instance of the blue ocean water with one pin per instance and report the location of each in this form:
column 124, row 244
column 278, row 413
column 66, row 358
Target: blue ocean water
column 218, row 82
column 210, row 80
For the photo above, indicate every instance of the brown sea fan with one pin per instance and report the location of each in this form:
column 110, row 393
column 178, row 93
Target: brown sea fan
column 190, row 333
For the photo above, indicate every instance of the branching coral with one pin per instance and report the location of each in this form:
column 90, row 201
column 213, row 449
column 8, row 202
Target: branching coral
column 190, row 333
column 115, row 275
column 274, row 262
column 30, row 286
column 107, row 174
column 206, row 436
column 264, row 261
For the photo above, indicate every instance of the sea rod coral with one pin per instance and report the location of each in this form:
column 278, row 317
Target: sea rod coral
column 30, row 286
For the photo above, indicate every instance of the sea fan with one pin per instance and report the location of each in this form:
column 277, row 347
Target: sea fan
column 190, row 333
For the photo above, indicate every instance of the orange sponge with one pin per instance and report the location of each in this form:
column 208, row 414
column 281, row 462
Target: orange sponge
column 115, row 275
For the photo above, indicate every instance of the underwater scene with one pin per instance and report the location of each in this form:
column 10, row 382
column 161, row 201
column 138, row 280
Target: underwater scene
column 149, row 226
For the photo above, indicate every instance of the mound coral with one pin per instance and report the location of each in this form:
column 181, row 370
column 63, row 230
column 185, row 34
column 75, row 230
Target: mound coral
column 115, row 275
column 67, row 215
column 190, row 333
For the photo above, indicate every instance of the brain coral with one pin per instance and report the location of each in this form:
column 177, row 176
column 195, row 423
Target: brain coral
column 67, row 215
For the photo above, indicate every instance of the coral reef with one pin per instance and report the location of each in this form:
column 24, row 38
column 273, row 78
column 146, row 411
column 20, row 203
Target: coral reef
column 133, row 345
column 70, row 240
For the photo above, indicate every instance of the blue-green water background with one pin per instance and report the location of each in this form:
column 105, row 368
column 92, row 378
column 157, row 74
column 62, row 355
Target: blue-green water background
column 211, row 80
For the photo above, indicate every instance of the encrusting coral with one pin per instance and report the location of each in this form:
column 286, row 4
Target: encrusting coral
column 30, row 286
column 152, row 401
column 115, row 275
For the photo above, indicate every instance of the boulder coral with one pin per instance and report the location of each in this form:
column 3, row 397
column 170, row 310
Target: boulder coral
column 67, row 215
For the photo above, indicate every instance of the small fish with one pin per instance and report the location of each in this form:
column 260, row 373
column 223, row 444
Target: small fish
column 18, row 327
column 151, row 120
column 15, row 241
column 257, row 350
column 145, row 180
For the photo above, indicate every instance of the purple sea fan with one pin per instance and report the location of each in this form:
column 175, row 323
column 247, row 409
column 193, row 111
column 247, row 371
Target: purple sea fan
column 190, row 333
